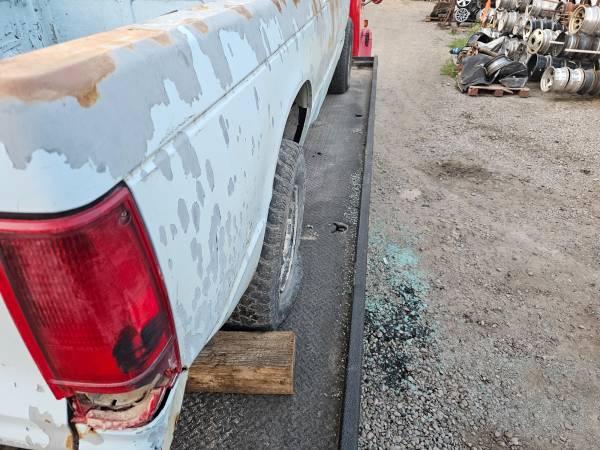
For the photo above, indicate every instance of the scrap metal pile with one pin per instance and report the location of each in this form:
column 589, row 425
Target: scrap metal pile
column 554, row 42
column 461, row 11
column 466, row 11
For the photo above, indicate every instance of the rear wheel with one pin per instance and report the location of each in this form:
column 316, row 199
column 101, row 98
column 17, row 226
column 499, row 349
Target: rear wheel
column 341, row 77
column 272, row 291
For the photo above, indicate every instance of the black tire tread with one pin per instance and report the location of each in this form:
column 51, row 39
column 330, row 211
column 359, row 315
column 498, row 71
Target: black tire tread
column 341, row 76
column 262, row 306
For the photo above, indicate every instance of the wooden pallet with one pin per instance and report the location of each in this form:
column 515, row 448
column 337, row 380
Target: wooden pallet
column 236, row 362
column 498, row 90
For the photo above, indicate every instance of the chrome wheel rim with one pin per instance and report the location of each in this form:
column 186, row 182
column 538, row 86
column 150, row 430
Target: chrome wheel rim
column 290, row 241
column 461, row 15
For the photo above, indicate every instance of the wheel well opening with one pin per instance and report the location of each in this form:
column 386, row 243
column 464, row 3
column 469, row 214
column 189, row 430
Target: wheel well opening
column 297, row 121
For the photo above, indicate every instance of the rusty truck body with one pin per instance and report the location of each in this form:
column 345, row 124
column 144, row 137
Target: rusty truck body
column 151, row 189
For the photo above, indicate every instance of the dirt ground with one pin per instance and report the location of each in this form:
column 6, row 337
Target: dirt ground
column 486, row 212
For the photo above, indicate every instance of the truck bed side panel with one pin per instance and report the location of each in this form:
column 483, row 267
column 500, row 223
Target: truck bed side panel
column 205, row 196
column 78, row 117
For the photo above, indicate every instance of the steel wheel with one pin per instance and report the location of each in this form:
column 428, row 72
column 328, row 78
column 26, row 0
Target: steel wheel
column 291, row 239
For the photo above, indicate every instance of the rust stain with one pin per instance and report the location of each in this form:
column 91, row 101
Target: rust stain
column 163, row 39
column 197, row 24
column 200, row 7
column 333, row 10
column 296, row 2
column 87, row 99
column 72, row 69
column 278, row 4
column 242, row 10
column 315, row 6
column 89, row 434
column 48, row 79
column 69, row 442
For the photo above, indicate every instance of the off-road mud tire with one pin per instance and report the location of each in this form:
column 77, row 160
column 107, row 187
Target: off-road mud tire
column 267, row 301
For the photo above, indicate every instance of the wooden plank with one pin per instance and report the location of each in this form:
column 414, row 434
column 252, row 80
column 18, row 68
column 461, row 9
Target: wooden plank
column 495, row 87
column 236, row 362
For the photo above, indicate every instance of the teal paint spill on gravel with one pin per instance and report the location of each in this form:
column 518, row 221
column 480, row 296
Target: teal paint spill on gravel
column 395, row 305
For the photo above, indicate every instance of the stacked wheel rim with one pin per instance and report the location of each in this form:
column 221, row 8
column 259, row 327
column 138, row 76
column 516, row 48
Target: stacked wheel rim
column 495, row 64
column 561, row 78
column 540, row 41
column 461, row 15
column 589, row 76
column 541, row 8
column 595, row 89
column 547, row 80
column 586, row 20
column 591, row 20
column 536, row 66
column 576, row 19
column 575, row 82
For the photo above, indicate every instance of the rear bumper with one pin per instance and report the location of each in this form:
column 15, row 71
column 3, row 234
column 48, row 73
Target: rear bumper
column 158, row 434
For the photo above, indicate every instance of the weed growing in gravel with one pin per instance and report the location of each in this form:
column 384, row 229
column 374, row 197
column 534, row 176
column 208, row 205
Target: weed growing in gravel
column 449, row 68
column 458, row 42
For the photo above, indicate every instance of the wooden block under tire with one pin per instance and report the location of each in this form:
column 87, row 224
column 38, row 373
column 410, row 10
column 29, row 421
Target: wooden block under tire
column 237, row 362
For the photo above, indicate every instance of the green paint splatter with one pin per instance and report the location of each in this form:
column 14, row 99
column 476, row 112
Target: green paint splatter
column 395, row 304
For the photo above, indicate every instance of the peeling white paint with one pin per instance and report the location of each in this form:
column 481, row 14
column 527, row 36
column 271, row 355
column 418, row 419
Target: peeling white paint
column 240, row 56
column 30, row 417
column 191, row 119
column 16, row 185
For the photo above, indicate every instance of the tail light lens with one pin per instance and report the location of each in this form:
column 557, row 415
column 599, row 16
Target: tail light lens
column 86, row 294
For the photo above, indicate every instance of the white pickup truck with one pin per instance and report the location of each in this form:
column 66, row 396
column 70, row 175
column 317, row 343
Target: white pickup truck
column 151, row 189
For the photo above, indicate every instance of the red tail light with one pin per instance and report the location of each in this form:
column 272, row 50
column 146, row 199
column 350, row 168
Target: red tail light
column 87, row 297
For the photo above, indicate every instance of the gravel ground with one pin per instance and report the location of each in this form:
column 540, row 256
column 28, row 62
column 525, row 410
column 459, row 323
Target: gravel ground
column 482, row 304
